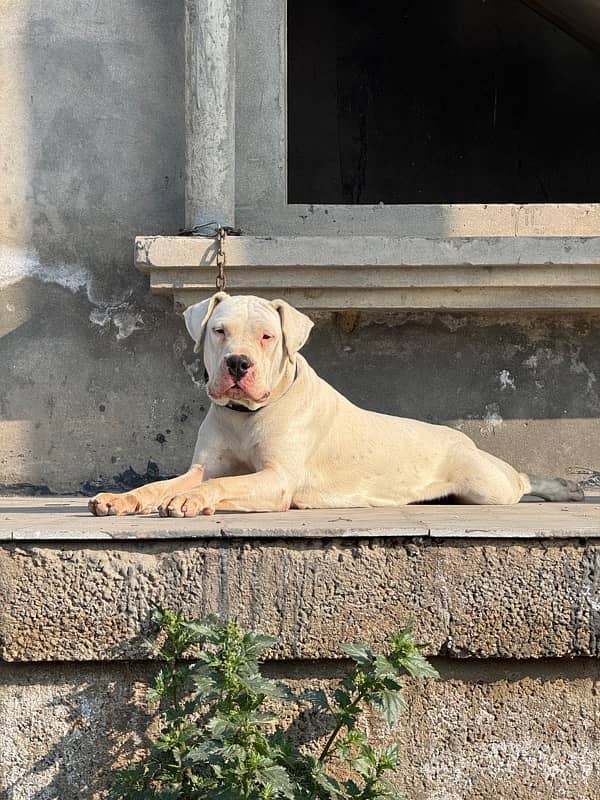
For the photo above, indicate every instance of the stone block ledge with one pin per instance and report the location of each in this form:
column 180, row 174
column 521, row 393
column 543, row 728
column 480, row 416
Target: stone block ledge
column 67, row 519
column 480, row 582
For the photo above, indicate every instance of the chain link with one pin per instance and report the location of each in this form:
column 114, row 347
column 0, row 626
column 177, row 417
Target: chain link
column 222, row 232
column 220, row 281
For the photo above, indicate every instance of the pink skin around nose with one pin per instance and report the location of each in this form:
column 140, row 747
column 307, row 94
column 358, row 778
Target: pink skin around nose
column 224, row 385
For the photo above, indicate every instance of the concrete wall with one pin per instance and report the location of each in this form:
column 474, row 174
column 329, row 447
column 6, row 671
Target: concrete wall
column 97, row 376
column 91, row 147
column 482, row 733
column 512, row 625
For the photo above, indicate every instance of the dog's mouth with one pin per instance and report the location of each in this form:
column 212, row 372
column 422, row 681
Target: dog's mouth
column 236, row 392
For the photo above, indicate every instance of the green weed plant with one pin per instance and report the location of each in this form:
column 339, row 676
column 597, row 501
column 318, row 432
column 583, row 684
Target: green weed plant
column 219, row 741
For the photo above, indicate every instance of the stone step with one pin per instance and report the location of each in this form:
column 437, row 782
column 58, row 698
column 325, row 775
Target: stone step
column 481, row 582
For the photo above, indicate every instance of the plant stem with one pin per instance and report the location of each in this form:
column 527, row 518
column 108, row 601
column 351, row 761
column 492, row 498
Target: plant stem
column 337, row 729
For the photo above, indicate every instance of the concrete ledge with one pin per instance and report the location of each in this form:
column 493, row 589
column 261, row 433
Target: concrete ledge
column 67, row 519
column 473, row 591
column 379, row 272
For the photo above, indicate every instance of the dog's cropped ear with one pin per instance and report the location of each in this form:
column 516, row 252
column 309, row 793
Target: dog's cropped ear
column 197, row 316
column 295, row 326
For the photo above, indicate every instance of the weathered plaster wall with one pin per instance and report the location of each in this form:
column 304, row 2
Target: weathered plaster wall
column 97, row 376
column 525, row 733
column 92, row 369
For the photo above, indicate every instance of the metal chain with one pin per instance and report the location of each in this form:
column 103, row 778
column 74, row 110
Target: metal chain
column 220, row 281
column 222, row 231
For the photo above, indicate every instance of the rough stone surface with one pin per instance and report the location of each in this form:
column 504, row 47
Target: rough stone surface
column 470, row 599
column 526, row 732
column 62, row 727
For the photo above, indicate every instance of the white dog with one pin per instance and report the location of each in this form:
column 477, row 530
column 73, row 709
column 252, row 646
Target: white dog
column 277, row 436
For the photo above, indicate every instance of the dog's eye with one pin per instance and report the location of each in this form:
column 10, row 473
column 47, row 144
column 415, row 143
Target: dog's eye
column 266, row 337
column 220, row 331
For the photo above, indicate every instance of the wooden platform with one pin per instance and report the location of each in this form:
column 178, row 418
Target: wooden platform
column 67, row 518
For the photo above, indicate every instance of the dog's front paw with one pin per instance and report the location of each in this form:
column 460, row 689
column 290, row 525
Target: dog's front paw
column 108, row 504
column 185, row 505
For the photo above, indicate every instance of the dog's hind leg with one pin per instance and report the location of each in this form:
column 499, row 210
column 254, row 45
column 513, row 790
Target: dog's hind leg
column 483, row 479
column 556, row 490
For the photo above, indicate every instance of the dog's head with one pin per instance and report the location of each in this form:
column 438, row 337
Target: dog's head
column 248, row 344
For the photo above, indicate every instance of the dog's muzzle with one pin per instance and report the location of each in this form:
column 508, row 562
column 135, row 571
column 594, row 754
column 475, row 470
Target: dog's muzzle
column 238, row 366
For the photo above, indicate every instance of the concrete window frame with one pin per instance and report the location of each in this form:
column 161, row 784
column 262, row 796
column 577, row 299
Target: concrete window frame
column 454, row 256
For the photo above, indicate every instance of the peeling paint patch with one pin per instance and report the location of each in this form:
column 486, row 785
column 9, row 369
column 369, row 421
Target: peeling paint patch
column 544, row 357
column 17, row 263
column 506, row 380
column 193, row 369
column 579, row 367
column 125, row 319
column 491, row 420
column 180, row 345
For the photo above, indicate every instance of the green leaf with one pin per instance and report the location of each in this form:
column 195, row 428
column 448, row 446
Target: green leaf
column 254, row 682
column 220, row 727
column 391, row 791
column 204, row 681
column 328, row 784
column 153, row 695
column 277, row 778
column 255, row 643
column 390, row 704
column 342, row 698
column 359, row 652
column 417, row 665
column 383, row 667
column 363, row 766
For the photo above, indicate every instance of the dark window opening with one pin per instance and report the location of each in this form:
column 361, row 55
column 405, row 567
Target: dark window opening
column 455, row 101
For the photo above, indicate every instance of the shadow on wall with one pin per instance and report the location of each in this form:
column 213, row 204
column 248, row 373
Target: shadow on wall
column 67, row 735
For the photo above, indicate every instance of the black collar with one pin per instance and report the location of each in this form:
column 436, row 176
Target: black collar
column 239, row 407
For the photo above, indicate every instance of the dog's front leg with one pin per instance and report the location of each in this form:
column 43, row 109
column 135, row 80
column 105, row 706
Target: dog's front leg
column 267, row 490
column 146, row 499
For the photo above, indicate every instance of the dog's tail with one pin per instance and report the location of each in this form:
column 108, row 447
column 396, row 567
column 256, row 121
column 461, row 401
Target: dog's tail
column 556, row 490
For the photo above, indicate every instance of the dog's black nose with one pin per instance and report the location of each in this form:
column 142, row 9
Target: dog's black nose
column 238, row 366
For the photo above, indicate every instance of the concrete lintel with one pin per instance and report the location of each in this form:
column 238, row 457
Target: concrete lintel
column 378, row 272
